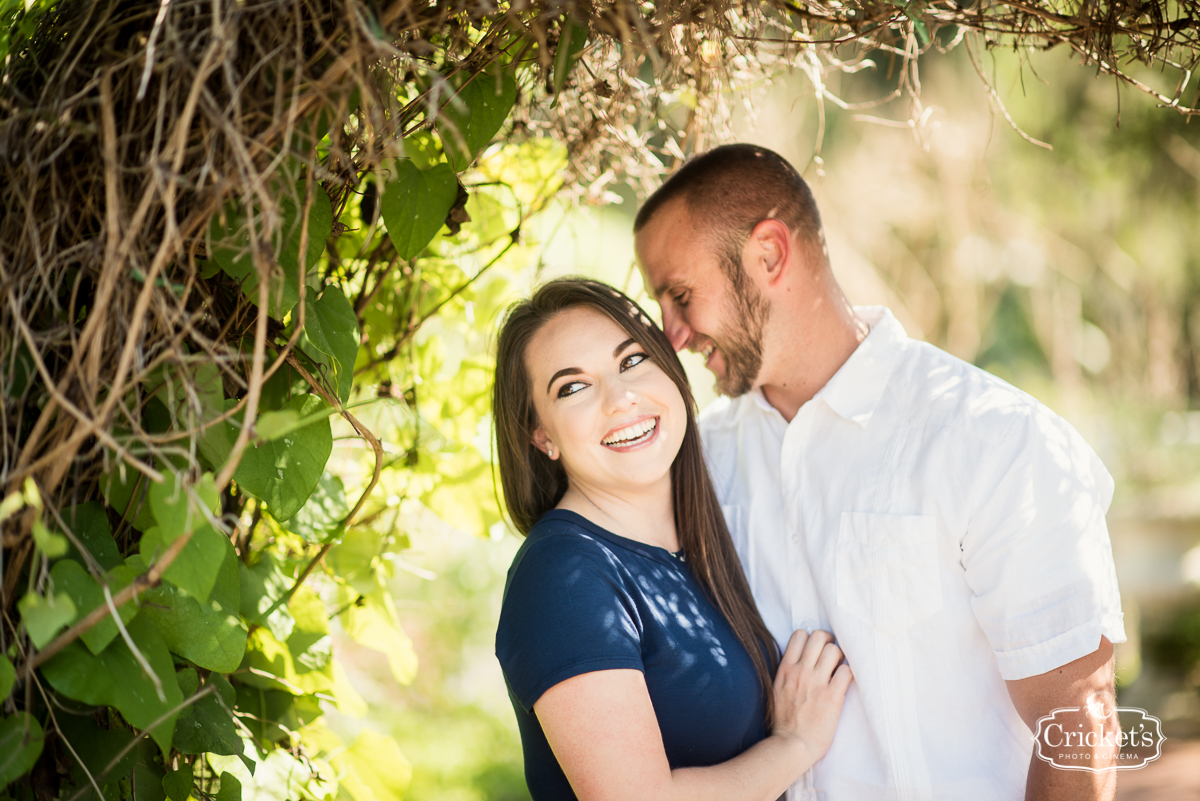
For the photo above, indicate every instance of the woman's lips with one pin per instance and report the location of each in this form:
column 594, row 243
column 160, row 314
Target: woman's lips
column 640, row 437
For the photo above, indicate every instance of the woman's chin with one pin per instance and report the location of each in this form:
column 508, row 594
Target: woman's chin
column 637, row 470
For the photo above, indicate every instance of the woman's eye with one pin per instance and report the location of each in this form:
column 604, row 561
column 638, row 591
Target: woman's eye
column 570, row 388
column 680, row 298
column 632, row 360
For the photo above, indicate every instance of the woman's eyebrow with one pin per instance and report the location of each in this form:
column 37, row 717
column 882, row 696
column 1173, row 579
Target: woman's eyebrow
column 560, row 374
column 623, row 346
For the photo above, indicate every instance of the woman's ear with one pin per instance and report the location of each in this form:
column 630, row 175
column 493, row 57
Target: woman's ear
column 542, row 442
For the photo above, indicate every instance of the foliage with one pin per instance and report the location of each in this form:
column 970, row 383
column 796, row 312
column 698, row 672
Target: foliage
column 212, row 513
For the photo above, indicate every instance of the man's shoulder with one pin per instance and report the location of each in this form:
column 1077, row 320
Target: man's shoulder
column 952, row 392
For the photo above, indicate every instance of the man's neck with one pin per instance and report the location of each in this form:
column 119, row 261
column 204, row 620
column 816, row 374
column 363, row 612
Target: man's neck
column 826, row 344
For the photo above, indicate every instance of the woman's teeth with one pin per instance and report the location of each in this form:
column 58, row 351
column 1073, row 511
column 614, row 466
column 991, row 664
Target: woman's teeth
column 632, row 434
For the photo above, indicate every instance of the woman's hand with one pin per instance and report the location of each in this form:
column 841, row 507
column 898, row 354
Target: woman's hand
column 810, row 687
column 604, row 732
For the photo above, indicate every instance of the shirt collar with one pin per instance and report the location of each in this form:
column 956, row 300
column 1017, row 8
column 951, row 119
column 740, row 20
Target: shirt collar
column 857, row 387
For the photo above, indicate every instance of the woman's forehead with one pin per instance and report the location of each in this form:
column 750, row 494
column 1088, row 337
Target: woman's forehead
column 576, row 335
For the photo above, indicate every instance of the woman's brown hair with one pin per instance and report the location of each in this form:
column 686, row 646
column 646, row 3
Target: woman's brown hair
column 533, row 484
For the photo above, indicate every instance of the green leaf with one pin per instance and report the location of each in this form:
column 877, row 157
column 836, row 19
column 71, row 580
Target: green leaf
column 178, row 783
column 283, row 473
column 231, row 788
column 373, row 768
column 374, row 625
column 273, row 425
column 469, row 121
column 321, row 517
column 209, row 729
column 96, row 748
column 355, row 559
column 21, row 741
column 570, row 44
column 349, row 702
column 45, row 615
column 231, row 247
column 130, row 491
column 415, row 204
column 177, row 511
column 8, row 677
column 197, row 566
column 89, row 522
column 147, row 774
column 263, row 584
column 114, row 678
column 269, row 664
column 269, row 713
column 423, row 149
column 207, row 632
column 218, row 439
column 48, row 542
column 310, row 644
column 189, row 395
column 12, row 504
column 263, row 710
column 332, row 328
column 87, row 594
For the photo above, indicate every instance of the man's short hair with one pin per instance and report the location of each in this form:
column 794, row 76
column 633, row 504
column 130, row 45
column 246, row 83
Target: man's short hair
column 730, row 189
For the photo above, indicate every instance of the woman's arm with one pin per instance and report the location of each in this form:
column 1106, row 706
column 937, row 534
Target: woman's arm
column 605, row 735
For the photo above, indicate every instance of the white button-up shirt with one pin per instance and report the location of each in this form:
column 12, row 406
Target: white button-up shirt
column 948, row 529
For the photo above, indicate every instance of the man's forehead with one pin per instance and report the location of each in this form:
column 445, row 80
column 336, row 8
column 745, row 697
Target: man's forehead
column 667, row 248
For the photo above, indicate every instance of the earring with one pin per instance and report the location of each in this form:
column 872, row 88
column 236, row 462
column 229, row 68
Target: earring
column 550, row 451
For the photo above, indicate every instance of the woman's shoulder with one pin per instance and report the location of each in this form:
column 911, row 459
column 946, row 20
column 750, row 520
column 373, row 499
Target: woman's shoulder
column 561, row 538
column 561, row 574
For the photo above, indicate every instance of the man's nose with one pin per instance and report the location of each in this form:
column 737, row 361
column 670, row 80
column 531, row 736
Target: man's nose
column 677, row 330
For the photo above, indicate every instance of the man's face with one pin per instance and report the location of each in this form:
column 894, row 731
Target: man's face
column 703, row 310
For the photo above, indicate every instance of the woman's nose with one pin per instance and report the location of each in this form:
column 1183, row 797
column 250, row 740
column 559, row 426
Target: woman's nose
column 620, row 397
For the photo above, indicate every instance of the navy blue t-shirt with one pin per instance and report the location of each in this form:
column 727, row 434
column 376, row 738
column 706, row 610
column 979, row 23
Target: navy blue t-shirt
column 580, row 598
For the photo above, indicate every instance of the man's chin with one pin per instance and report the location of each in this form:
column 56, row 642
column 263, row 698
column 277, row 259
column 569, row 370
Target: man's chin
column 732, row 386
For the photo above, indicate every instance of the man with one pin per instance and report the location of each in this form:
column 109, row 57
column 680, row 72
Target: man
column 947, row 528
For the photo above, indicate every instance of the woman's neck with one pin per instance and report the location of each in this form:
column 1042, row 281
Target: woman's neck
column 647, row 516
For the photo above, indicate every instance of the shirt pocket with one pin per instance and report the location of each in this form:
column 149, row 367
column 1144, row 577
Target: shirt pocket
column 887, row 569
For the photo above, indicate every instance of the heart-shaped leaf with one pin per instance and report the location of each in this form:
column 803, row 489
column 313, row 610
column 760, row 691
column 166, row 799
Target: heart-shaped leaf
column 332, row 328
column 415, row 204
column 470, row 120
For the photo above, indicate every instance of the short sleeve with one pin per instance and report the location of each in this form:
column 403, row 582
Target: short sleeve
column 1037, row 553
column 565, row 613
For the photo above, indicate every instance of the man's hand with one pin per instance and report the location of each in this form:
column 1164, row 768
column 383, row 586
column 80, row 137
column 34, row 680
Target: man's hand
column 1068, row 686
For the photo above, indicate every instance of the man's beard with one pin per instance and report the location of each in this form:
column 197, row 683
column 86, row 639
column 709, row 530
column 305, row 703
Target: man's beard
column 741, row 345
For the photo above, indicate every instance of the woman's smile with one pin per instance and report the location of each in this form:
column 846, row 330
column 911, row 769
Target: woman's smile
column 632, row 435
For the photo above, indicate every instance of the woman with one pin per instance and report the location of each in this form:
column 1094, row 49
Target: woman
column 635, row 659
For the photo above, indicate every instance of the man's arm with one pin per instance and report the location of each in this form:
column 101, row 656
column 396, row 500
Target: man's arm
column 1069, row 686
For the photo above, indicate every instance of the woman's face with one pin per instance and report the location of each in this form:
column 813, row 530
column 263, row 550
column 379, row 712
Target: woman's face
column 613, row 416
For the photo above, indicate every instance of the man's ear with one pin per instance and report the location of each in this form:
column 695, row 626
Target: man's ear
column 542, row 442
column 768, row 251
